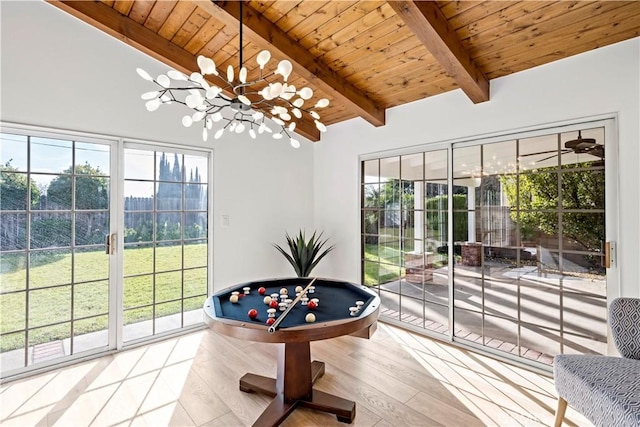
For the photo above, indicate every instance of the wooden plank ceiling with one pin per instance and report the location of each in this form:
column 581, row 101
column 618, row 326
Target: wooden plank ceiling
column 367, row 56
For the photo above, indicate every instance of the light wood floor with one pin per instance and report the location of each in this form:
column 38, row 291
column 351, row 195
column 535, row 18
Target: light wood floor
column 396, row 378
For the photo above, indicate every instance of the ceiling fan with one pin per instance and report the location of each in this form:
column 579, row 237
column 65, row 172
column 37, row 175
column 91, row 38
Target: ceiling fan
column 579, row 145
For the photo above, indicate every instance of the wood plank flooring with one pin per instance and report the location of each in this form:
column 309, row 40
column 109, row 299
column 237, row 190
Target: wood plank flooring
column 396, row 378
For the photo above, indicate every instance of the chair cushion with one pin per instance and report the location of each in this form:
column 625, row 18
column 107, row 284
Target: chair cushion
column 624, row 318
column 605, row 389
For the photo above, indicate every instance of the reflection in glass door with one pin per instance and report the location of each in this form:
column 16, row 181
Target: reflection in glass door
column 529, row 278
column 165, row 240
column 54, row 272
column 521, row 274
column 404, row 237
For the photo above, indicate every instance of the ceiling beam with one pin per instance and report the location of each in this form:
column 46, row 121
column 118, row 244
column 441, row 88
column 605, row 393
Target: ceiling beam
column 429, row 24
column 130, row 32
column 267, row 35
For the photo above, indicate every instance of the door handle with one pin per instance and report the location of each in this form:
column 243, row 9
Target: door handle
column 609, row 254
column 110, row 244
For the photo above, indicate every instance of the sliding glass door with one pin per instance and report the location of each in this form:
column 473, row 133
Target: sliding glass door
column 55, row 211
column 97, row 252
column 500, row 244
column 165, row 240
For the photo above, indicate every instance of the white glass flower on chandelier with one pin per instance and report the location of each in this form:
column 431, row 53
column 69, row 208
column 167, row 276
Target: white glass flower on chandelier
column 239, row 104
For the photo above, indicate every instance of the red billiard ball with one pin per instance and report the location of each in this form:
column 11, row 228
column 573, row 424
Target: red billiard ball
column 271, row 321
column 253, row 313
column 311, row 305
column 273, row 304
column 261, row 290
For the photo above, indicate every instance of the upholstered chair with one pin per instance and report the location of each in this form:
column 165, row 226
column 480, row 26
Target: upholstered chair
column 605, row 389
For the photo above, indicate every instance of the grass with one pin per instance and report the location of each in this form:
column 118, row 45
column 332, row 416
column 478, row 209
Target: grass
column 48, row 305
column 384, row 261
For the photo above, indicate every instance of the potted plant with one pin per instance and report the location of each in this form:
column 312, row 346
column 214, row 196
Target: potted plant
column 304, row 254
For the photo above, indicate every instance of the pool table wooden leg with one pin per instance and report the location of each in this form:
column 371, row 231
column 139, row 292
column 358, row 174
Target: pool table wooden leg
column 344, row 409
column 294, row 386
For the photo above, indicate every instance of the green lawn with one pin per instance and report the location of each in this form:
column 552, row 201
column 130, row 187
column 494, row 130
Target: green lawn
column 91, row 299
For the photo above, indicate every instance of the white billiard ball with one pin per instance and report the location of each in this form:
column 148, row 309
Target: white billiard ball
column 299, row 288
column 267, row 299
column 284, row 291
column 310, row 318
column 233, row 298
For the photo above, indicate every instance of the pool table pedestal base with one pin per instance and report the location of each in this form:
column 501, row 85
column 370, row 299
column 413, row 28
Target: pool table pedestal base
column 294, row 387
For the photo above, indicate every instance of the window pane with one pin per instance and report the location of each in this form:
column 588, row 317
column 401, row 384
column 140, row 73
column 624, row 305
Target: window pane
column 90, row 333
column 466, row 162
column 169, row 167
column 90, row 299
column 195, row 282
column 195, row 254
column 13, row 228
column 92, row 192
column 90, row 265
column 138, row 195
column 13, row 272
column 139, row 164
column 51, row 335
column 138, row 259
column 138, row 227
column 51, row 155
column 43, row 263
column 14, row 190
column 168, row 226
column 96, row 155
column 195, row 197
column 584, row 232
column 13, row 312
column 168, row 257
column 371, row 171
column 13, row 150
column 583, row 189
column 412, row 166
column 195, row 225
column 196, row 169
column 169, row 197
column 138, row 291
column 91, row 228
column 168, row 286
column 54, row 192
column 56, row 300
column 50, row 230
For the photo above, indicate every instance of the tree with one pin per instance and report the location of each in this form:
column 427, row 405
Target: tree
column 91, row 190
column 14, row 189
column 91, row 194
column 581, row 189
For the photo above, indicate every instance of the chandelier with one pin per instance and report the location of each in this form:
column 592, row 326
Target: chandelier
column 238, row 104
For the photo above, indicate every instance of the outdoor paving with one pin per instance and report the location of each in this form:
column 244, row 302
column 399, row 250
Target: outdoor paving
column 540, row 295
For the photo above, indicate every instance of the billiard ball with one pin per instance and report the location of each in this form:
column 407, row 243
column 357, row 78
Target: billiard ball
column 267, row 300
column 284, row 291
column 299, row 288
column 273, row 303
column 261, row 290
column 310, row 318
column 253, row 313
column 271, row 321
column 311, row 305
column 233, row 299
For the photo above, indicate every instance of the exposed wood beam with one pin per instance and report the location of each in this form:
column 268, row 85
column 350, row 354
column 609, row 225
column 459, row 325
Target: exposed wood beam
column 266, row 35
column 130, row 32
column 429, row 24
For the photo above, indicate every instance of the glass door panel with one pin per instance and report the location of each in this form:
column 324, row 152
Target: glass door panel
column 54, row 272
column 529, row 272
column 165, row 239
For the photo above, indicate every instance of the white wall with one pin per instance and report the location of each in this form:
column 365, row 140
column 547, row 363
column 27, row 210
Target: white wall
column 599, row 82
column 58, row 72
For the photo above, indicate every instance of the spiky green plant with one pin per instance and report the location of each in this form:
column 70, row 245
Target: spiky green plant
column 304, row 255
